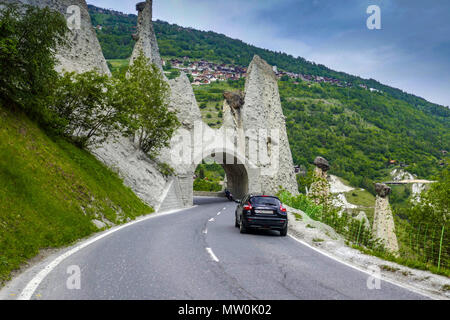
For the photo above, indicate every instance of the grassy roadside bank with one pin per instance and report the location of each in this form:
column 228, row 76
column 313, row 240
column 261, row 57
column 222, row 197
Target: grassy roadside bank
column 51, row 191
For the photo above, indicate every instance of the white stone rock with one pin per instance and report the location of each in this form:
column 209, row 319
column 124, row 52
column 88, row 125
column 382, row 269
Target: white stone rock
column 337, row 186
column 146, row 42
column 84, row 52
column 401, row 175
column 383, row 224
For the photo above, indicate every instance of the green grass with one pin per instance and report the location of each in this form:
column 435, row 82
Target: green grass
column 210, row 100
column 118, row 65
column 364, row 200
column 361, row 198
column 50, row 191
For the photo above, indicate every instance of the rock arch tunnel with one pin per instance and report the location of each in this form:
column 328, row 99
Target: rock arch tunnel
column 237, row 176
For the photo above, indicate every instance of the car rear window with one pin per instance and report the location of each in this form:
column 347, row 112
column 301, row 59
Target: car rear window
column 269, row 201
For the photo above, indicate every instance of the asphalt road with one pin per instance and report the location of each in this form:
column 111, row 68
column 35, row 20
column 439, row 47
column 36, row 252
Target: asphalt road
column 167, row 258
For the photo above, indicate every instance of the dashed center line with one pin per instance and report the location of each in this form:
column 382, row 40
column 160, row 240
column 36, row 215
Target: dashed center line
column 205, row 231
column 211, row 253
column 219, row 213
column 211, row 220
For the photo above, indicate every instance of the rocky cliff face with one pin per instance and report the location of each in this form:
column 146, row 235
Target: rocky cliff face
column 262, row 110
column 84, row 53
column 145, row 36
column 137, row 170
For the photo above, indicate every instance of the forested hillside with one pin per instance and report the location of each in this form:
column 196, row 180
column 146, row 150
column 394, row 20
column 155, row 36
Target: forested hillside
column 175, row 41
column 359, row 131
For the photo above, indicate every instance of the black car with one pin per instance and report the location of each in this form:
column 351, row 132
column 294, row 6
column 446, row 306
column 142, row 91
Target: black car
column 261, row 212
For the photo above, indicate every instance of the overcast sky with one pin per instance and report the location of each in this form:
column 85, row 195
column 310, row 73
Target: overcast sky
column 410, row 52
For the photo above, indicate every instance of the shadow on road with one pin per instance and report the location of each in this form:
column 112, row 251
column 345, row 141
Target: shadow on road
column 209, row 200
column 259, row 232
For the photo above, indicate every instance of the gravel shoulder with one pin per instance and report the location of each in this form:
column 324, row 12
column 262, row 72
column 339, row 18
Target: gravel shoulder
column 325, row 239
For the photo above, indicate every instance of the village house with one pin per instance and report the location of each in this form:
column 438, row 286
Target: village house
column 205, row 72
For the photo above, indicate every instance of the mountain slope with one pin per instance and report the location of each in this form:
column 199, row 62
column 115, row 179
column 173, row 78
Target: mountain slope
column 52, row 193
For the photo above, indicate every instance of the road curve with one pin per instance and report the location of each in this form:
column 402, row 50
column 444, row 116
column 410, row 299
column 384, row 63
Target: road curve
column 198, row 254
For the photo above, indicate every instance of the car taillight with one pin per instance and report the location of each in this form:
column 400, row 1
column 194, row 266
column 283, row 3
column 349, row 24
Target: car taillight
column 248, row 207
column 283, row 209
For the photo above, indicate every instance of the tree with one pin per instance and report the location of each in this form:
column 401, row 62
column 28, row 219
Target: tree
column 27, row 57
column 145, row 94
column 86, row 108
column 434, row 204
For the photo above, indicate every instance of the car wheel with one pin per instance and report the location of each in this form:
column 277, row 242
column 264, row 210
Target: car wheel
column 242, row 228
column 284, row 231
column 236, row 223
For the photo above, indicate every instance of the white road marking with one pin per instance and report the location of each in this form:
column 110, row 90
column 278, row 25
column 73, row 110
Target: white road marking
column 383, row 278
column 211, row 253
column 211, row 220
column 31, row 287
column 224, row 208
column 205, row 231
column 219, row 213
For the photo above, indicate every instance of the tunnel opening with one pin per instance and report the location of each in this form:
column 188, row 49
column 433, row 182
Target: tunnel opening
column 219, row 172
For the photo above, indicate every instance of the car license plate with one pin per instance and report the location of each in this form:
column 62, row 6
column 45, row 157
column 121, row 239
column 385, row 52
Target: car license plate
column 264, row 211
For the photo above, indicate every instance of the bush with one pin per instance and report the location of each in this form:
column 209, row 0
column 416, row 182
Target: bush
column 434, row 207
column 204, row 185
column 86, row 108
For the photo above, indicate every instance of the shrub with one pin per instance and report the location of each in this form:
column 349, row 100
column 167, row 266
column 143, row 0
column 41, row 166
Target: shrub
column 86, row 108
column 203, row 185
